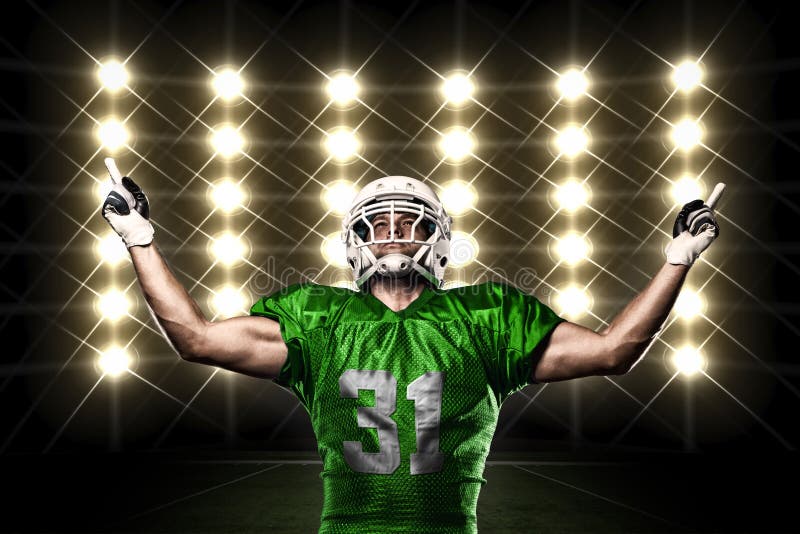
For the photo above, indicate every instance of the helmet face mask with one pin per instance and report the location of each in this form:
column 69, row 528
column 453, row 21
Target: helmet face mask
column 366, row 231
column 392, row 196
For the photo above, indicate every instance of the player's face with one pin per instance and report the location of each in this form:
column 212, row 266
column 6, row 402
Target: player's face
column 403, row 223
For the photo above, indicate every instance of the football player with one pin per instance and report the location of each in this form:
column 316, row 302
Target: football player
column 403, row 381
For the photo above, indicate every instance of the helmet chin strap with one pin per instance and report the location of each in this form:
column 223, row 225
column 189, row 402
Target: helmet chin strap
column 396, row 266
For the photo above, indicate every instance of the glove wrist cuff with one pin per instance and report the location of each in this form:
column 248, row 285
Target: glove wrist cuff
column 680, row 260
column 142, row 235
column 686, row 248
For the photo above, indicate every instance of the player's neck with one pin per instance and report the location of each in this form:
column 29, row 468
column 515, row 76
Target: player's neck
column 396, row 293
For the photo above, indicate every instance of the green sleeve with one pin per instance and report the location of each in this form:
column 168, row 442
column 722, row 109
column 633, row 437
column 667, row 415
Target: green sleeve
column 285, row 306
column 527, row 323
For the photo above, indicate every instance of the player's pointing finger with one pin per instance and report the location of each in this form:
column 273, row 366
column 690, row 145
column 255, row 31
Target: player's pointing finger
column 111, row 165
column 716, row 194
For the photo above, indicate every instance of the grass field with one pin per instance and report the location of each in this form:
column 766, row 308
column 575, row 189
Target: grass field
column 208, row 492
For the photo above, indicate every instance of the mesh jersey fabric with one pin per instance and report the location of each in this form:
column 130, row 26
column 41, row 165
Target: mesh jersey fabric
column 404, row 404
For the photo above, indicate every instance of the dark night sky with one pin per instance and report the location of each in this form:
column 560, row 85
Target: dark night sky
column 46, row 195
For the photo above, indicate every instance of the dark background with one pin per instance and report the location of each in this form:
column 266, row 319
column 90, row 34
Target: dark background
column 49, row 272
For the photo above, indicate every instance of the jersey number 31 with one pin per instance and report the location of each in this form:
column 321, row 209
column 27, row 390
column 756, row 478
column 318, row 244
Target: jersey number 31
column 425, row 391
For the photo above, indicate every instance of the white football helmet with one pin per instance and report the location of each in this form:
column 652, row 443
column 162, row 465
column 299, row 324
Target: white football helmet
column 397, row 194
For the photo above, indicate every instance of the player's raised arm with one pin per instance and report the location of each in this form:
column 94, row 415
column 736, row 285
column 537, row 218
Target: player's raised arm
column 573, row 351
column 250, row 345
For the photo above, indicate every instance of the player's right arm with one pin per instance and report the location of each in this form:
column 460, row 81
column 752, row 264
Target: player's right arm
column 250, row 345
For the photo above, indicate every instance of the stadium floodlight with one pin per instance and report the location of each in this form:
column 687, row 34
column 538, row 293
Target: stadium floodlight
column 338, row 195
column 342, row 88
column 572, row 302
column 342, row 144
column 229, row 249
column 458, row 88
column 334, row 250
column 687, row 75
column 110, row 249
column 227, row 141
column 571, row 195
column 688, row 360
column 114, row 361
column 112, row 75
column 572, row 84
column 458, row 197
column 572, row 248
column 229, row 301
column 112, row 305
column 457, row 144
column 227, row 195
column 689, row 304
column 463, row 249
column 113, row 134
column 686, row 134
column 571, row 141
column 686, row 188
column 228, row 84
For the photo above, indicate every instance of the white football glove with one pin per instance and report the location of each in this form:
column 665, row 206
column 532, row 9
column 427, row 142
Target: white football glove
column 694, row 229
column 127, row 210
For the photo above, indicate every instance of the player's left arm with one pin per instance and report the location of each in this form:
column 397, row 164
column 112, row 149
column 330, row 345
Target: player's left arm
column 572, row 351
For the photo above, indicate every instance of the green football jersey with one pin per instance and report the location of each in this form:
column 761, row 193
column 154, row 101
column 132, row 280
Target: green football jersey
column 404, row 404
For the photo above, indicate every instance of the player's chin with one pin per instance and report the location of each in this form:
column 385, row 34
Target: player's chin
column 394, row 249
column 401, row 283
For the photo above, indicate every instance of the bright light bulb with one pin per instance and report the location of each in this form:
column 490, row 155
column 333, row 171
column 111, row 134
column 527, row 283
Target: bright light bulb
column 573, row 302
column 338, row 195
column 229, row 301
column 227, row 195
column 687, row 134
column 572, row 84
column 114, row 361
column 112, row 305
column 689, row 304
column 113, row 75
column 571, row 141
column 458, row 197
column 687, row 75
column 458, row 88
column 342, row 88
column 571, row 195
column 110, row 249
column 463, row 249
column 228, row 84
column 457, row 144
column 113, row 134
column 342, row 144
column 688, row 360
column 227, row 141
column 572, row 248
column 686, row 188
column 229, row 249
column 334, row 250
